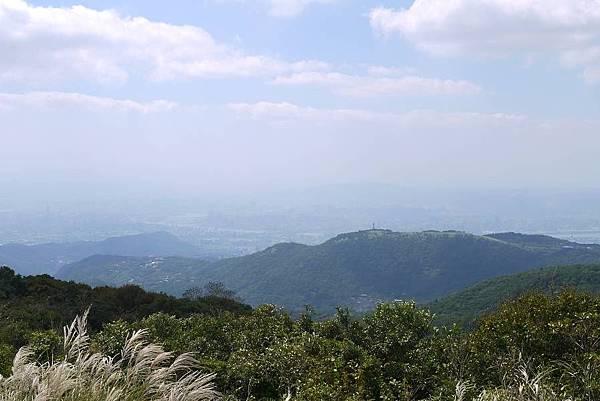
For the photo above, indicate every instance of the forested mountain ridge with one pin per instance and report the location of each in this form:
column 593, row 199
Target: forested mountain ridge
column 464, row 306
column 48, row 258
column 354, row 269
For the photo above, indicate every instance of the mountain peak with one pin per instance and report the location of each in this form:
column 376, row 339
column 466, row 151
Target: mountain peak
column 380, row 233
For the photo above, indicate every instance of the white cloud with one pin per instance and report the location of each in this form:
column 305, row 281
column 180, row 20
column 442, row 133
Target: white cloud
column 292, row 8
column 60, row 100
column 378, row 84
column 592, row 75
column 283, row 111
column 380, row 70
column 281, row 8
column 50, row 43
column 567, row 29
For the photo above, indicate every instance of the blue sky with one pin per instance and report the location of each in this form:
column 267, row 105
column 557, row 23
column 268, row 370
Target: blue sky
column 301, row 90
column 340, row 33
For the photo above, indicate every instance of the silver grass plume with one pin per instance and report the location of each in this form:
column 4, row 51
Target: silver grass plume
column 141, row 371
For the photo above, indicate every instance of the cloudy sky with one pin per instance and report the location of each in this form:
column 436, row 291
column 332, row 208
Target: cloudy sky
column 196, row 96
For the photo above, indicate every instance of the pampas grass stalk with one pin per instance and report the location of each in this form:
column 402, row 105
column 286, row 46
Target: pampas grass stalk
column 142, row 371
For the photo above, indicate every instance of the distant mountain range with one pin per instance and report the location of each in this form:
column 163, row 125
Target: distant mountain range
column 464, row 306
column 355, row 269
column 49, row 258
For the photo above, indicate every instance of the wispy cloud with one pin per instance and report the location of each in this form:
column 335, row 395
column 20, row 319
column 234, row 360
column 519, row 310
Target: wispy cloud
column 382, row 82
column 10, row 101
column 281, row 8
column 50, row 43
column 568, row 30
column 284, row 111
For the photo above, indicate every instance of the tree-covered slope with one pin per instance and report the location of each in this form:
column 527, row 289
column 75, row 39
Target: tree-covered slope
column 464, row 306
column 48, row 258
column 160, row 274
column 359, row 269
column 42, row 302
column 354, row 269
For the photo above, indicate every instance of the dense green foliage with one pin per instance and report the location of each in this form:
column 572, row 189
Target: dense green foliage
column 357, row 270
column 48, row 258
column 536, row 347
column 33, row 308
column 562, row 331
column 266, row 354
column 464, row 306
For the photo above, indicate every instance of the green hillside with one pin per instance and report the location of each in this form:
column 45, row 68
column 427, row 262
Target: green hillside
column 160, row 274
column 464, row 306
column 42, row 303
column 355, row 269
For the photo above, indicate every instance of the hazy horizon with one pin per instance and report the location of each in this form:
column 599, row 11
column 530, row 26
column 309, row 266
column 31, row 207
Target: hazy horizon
column 297, row 117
